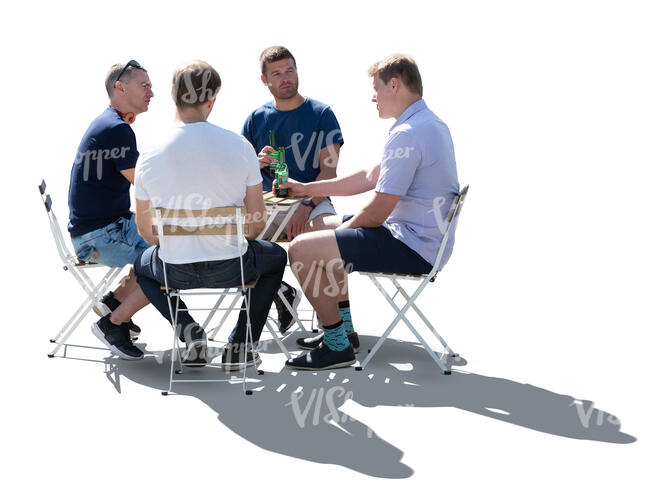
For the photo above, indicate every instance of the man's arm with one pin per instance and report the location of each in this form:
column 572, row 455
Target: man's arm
column 144, row 220
column 374, row 213
column 256, row 217
column 329, row 160
column 356, row 183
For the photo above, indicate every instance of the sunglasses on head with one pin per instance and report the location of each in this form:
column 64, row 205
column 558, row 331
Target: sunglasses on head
column 130, row 63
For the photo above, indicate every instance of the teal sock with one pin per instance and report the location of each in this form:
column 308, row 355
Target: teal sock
column 335, row 337
column 344, row 311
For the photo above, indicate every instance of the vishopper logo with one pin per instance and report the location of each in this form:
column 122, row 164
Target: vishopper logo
column 317, row 141
column 440, row 213
column 194, row 95
column 193, row 203
column 321, row 406
column 212, row 352
column 585, row 415
column 331, row 287
column 98, row 156
column 398, row 153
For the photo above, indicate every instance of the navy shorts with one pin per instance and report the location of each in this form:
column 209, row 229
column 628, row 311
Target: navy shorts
column 374, row 249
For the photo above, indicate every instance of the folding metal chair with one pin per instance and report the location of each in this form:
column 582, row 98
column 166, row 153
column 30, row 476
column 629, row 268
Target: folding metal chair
column 219, row 223
column 94, row 291
column 276, row 206
column 452, row 221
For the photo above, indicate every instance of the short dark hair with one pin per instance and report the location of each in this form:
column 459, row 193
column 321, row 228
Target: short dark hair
column 273, row 54
column 114, row 72
column 194, row 83
column 400, row 66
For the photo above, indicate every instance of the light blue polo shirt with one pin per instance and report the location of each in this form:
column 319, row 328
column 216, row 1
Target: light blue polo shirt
column 419, row 165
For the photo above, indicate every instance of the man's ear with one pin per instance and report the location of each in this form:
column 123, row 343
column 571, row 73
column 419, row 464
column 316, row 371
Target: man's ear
column 395, row 84
column 119, row 87
column 263, row 79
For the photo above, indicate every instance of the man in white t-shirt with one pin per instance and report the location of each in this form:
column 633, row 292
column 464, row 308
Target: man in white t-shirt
column 200, row 166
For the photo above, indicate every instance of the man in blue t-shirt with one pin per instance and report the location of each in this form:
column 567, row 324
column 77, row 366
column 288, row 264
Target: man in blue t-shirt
column 102, row 227
column 311, row 136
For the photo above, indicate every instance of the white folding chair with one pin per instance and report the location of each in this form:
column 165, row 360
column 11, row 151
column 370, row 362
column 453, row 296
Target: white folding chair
column 451, row 221
column 218, row 222
column 275, row 205
column 94, row 291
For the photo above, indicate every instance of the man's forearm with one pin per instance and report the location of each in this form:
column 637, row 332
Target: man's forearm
column 357, row 183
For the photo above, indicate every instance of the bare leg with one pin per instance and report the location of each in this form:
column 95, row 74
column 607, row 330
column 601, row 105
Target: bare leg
column 316, row 263
column 127, row 285
column 134, row 302
column 323, row 222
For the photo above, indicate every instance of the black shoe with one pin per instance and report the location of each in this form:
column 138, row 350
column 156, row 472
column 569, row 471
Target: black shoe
column 323, row 358
column 107, row 305
column 285, row 318
column 116, row 338
column 311, row 343
column 197, row 344
column 232, row 357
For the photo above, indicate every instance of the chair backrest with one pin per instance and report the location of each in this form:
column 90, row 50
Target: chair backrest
column 451, row 221
column 224, row 220
column 59, row 240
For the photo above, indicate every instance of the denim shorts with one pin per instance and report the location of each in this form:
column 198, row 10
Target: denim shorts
column 118, row 244
column 325, row 207
column 374, row 249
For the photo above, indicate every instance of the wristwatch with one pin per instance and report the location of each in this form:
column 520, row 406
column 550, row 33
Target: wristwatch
column 309, row 202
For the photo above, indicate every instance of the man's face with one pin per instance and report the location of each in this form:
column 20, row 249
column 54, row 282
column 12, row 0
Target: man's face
column 137, row 92
column 383, row 97
column 281, row 78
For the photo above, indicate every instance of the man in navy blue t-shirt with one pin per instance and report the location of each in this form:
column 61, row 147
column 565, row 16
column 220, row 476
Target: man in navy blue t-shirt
column 102, row 227
column 311, row 136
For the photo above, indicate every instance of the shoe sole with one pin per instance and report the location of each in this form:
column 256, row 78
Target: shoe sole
column 355, row 349
column 190, row 350
column 97, row 332
column 101, row 309
column 330, row 367
column 229, row 368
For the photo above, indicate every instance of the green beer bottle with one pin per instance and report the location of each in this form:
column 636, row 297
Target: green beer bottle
column 281, row 175
column 274, row 154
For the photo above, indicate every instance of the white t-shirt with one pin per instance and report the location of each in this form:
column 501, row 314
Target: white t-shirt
column 198, row 166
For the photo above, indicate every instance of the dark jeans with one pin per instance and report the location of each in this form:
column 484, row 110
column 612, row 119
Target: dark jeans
column 264, row 259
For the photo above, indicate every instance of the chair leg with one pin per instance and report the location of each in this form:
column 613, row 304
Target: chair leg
column 425, row 320
column 231, row 308
column 401, row 316
column 87, row 305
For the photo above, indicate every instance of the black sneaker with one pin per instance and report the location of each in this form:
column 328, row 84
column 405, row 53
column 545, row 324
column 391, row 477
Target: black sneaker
column 232, row 357
column 116, row 338
column 196, row 343
column 311, row 343
column 285, row 318
column 323, row 358
column 107, row 305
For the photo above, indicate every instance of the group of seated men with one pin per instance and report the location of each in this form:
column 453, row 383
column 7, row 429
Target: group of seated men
column 200, row 165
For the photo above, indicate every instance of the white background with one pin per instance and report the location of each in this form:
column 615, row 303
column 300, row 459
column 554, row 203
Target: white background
column 545, row 296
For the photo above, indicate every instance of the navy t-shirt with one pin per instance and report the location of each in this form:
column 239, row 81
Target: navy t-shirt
column 99, row 193
column 303, row 132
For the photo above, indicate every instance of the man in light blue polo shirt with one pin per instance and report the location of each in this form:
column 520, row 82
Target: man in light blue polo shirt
column 398, row 231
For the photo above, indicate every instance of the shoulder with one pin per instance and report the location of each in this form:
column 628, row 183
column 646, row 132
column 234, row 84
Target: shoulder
column 316, row 107
column 262, row 112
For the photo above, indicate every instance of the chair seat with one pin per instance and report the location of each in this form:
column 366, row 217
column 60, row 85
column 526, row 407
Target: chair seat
column 249, row 285
column 407, row 276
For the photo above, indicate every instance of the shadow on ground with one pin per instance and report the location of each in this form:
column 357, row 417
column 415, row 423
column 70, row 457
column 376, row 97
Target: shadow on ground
column 299, row 413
